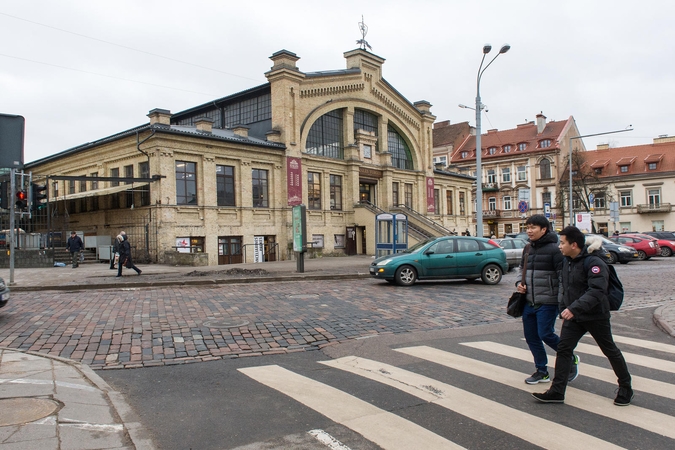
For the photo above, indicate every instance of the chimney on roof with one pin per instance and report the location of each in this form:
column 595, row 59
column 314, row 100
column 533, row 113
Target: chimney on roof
column 603, row 147
column 494, row 130
column 241, row 130
column 541, row 123
column 283, row 59
column 663, row 138
column 423, row 106
column 160, row 117
column 204, row 124
column 445, row 123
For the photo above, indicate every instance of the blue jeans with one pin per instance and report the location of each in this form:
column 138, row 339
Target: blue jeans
column 538, row 328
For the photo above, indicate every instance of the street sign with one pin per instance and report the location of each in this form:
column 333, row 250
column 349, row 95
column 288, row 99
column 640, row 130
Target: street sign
column 547, row 210
column 522, row 206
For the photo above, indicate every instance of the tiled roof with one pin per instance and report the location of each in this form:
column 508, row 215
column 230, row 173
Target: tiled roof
column 637, row 158
column 522, row 134
column 599, row 163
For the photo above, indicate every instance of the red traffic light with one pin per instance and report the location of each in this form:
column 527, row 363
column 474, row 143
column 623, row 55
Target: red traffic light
column 21, row 195
column 21, row 200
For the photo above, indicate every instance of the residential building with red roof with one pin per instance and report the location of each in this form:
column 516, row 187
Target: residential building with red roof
column 523, row 164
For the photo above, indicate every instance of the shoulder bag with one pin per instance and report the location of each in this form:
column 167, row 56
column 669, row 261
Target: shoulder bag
column 517, row 301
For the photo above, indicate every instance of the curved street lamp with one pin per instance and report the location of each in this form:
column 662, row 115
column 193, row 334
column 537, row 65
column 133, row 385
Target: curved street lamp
column 479, row 107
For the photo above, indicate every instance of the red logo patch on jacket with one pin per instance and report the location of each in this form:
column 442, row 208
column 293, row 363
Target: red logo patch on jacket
column 595, row 269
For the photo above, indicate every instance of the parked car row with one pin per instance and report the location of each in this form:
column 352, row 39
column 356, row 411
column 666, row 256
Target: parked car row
column 4, row 293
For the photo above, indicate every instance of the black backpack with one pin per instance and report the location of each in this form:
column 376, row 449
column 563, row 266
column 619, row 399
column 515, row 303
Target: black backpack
column 614, row 286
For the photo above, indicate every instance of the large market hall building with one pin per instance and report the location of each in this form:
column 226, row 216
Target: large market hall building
column 345, row 143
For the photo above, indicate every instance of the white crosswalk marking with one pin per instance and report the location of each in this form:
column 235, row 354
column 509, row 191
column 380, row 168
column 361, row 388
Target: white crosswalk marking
column 526, row 426
column 651, row 345
column 631, row 358
column 385, row 429
column 644, row 418
column 587, row 370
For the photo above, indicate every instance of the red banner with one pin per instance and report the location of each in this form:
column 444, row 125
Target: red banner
column 294, row 181
column 431, row 204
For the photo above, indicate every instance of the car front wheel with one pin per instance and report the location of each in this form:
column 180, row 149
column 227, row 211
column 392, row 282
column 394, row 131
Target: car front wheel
column 613, row 258
column 666, row 251
column 406, row 276
column 491, row 274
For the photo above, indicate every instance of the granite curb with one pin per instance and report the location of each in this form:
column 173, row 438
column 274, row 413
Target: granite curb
column 664, row 318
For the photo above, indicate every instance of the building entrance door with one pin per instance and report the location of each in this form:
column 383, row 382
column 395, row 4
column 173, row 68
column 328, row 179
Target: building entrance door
column 367, row 192
column 350, row 241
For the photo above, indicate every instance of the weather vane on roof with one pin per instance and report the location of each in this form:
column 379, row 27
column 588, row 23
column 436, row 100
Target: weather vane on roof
column 364, row 30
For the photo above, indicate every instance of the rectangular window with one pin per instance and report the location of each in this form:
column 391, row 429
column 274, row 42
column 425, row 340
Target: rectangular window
column 658, row 225
column 492, row 204
column 545, row 198
column 448, row 202
column 225, row 185
column 186, row 183
column 462, row 204
column 626, row 198
column 625, row 226
column 71, row 186
column 623, row 169
column 652, row 166
column 336, row 192
column 94, row 203
column 507, row 203
column 114, row 173
column 83, row 185
column 491, row 176
column 94, row 183
column 522, row 174
column 128, row 173
column 339, row 241
column 313, row 190
column 654, row 197
column 317, row 241
column 394, row 194
column 260, row 188
column 144, row 171
column 599, row 201
column 437, row 201
column 408, row 195
column 506, row 175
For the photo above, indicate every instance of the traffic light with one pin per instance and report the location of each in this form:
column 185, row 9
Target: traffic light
column 4, row 201
column 21, row 201
column 39, row 196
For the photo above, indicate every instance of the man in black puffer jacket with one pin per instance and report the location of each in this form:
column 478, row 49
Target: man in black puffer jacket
column 544, row 262
column 585, row 308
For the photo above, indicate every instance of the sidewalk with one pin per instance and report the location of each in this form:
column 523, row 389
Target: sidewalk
column 54, row 403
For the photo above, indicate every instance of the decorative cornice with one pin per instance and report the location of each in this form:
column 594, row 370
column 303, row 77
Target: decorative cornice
column 397, row 110
column 331, row 90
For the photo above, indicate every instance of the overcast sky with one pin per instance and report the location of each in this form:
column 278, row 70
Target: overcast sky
column 81, row 70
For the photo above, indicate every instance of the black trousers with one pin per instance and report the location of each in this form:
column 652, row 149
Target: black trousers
column 570, row 334
column 130, row 265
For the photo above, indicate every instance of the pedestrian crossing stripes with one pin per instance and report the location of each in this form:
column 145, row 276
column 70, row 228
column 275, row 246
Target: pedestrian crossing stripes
column 391, row 431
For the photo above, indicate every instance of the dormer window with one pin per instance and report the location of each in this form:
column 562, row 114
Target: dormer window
column 598, row 170
column 463, row 155
column 623, row 169
column 492, row 151
column 544, row 143
column 522, row 146
column 651, row 166
column 507, row 149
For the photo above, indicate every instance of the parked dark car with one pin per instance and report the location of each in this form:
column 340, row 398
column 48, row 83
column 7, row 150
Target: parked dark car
column 443, row 258
column 4, row 293
column 646, row 246
column 616, row 252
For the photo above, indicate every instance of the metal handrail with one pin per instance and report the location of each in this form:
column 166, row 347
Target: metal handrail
column 422, row 218
column 266, row 251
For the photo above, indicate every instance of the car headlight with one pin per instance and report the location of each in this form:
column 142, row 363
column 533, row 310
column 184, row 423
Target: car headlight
column 384, row 262
column 625, row 250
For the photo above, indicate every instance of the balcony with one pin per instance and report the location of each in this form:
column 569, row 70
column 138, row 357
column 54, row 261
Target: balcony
column 653, row 208
column 490, row 187
column 490, row 214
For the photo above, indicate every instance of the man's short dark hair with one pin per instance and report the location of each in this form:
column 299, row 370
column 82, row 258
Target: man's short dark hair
column 73, row 232
column 539, row 220
column 574, row 235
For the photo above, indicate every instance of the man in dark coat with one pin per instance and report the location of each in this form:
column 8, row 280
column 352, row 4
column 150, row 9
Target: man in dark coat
column 541, row 289
column 125, row 257
column 584, row 308
column 74, row 245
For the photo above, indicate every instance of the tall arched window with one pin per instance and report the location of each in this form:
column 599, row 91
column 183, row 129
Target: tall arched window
column 400, row 153
column 544, row 169
column 364, row 120
column 325, row 136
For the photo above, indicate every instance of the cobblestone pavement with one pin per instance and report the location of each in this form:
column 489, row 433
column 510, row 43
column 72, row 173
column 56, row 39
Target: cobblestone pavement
column 148, row 326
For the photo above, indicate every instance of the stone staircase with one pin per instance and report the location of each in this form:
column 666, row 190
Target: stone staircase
column 63, row 255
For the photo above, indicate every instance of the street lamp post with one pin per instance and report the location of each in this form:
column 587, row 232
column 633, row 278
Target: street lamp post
column 479, row 107
column 571, row 207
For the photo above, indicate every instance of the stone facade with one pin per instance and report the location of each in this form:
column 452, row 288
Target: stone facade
column 272, row 128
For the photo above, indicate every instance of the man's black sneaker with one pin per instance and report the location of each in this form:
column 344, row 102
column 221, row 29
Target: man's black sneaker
column 538, row 377
column 624, row 396
column 574, row 371
column 549, row 397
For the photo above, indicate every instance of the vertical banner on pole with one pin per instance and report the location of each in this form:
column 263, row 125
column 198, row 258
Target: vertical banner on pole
column 431, row 201
column 258, row 249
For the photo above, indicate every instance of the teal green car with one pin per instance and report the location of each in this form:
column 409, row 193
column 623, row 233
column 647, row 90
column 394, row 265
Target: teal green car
column 444, row 258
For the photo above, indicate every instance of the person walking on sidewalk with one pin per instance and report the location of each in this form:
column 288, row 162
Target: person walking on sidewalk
column 544, row 262
column 115, row 257
column 74, row 245
column 125, row 257
column 585, row 308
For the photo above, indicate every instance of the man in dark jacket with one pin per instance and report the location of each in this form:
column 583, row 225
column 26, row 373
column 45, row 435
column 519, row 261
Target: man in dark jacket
column 584, row 308
column 125, row 256
column 544, row 262
column 74, row 245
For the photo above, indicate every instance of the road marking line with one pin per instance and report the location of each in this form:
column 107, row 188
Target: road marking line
column 642, row 384
column 328, row 440
column 385, row 429
column 651, row 345
column 634, row 415
column 512, row 421
column 640, row 360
